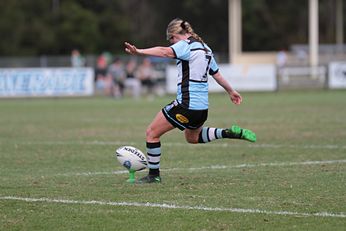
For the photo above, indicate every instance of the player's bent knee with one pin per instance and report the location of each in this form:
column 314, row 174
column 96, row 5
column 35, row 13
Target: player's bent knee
column 149, row 132
column 151, row 136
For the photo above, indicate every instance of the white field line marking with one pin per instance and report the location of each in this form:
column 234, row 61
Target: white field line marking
column 93, row 173
column 172, row 206
column 280, row 164
column 173, row 144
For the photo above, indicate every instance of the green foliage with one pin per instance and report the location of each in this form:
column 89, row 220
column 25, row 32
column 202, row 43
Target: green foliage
column 265, row 20
column 35, row 27
column 77, row 28
column 24, row 27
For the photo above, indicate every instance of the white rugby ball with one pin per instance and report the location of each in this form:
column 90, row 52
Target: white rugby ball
column 131, row 158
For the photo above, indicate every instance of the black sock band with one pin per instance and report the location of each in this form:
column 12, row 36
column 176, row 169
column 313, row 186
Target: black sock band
column 231, row 135
column 154, row 172
column 200, row 138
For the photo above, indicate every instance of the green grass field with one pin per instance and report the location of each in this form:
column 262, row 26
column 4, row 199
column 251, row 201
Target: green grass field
column 59, row 172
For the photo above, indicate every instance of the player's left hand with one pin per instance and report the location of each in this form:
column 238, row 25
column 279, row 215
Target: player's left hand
column 236, row 97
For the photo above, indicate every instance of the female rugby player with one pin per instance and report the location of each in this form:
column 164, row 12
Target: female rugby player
column 189, row 110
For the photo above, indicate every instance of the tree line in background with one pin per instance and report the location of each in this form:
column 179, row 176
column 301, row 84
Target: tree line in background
column 55, row 27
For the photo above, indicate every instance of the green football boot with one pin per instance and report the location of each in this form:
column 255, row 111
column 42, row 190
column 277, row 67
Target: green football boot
column 245, row 134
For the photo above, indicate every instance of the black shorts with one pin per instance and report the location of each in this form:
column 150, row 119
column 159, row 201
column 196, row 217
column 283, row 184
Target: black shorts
column 182, row 118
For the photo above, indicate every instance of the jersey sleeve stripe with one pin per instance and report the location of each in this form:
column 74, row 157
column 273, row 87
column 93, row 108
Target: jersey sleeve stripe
column 175, row 54
column 211, row 72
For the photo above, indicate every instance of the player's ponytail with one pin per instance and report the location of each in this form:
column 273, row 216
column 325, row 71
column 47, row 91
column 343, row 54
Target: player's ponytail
column 179, row 26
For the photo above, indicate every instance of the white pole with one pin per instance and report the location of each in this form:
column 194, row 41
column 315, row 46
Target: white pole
column 234, row 32
column 313, row 32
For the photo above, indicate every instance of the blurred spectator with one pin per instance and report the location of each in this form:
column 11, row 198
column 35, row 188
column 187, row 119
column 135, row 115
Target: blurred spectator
column 108, row 56
column 146, row 74
column 132, row 81
column 281, row 59
column 103, row 82
column 116, row 72
column 77, row 60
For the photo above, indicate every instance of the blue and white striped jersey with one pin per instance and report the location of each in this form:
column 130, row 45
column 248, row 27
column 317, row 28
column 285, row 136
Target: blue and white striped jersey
column 194, row 61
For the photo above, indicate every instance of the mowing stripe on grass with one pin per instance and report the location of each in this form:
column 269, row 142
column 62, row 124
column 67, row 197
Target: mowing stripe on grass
column 172, row 206
column 172, row 144
column 275, row 164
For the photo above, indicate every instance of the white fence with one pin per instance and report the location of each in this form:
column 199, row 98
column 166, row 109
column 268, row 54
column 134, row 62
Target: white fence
column 337, row 75
column 317, row 73
column 260, row 77
column 41, row 82
column 36, row 82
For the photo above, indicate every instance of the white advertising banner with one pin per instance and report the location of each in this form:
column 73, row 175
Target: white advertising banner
column 337, row 75
column 256, row 77
column 36, row 82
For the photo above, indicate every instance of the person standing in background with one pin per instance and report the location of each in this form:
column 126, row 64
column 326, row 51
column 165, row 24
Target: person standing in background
column 132, row 81
column 77, row 60
column 116, row 72
column 146, row 74
column 103, row 81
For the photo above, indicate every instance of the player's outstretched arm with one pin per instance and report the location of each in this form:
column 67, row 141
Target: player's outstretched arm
column 233, row 94
column 165, row 52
